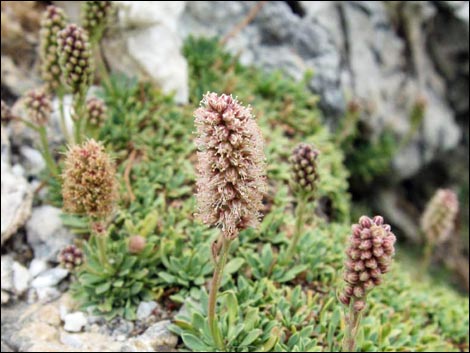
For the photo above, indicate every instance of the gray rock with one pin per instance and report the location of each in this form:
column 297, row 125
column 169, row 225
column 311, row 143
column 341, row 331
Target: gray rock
column 74, row 322
column 5, row 297
column 17, row 79
column 7, row 272
column 47, row 294
column 17, row 199
column 15, row 278
column 127, row 50
column 391, row 203
column 351, row 47
column 120, row 326
column 46, row 234
column 6, row 152
column 275, row 39
column 32, row 160
column 145, row 309
column 376, row 74
column 37, row 266
column 49, row 278
column 153, row 339
column 71, row 340
column 21, row 278
column 463, row 13
column 447, row 41
column 5, row 347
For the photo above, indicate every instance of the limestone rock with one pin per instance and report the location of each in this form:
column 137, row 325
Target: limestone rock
column 21, row 278
column 74, row 322
column 46, row 234
column 145, row 309
column 153, row 339
column 128, row 49
column 17, row 199
column 275, row 39
column 49, row 278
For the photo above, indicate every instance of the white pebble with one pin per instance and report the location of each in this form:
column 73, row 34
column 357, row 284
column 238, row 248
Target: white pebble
column 74, row 322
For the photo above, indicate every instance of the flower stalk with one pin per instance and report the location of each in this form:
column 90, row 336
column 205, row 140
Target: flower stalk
column 231, row 180
column 438, row 222
column 299, row 228
column 39, row 107
column 46, row 153
column 369, row 256
column 214, row 289
column 75, row 58
column 303, row 183
column 353, row 320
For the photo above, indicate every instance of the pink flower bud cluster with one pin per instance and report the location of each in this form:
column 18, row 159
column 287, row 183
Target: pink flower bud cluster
column 75, row 57
column 305, row 170
column 89, row 181
column 71, row 257
column 39, row 107
column 96, row 14
column 438, row 219
column 231, row 167
column 53, row 21
column 96, row 111
column 369, row 256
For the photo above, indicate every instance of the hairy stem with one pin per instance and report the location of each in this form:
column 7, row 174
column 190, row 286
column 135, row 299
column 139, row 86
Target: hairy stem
column 101, row 241
column 353, row 320
column 102, row 67
column 63, row 124
column 299, row 227
column 428, row 248
column 78, row 111
column 215, row 284
column 46, row 153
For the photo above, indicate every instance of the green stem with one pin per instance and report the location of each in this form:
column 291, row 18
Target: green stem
column 215, row 284
column 428, row 248
column 46, row 153
column 353, row 320
column 63, row 124
column 78, row 107
column 101, row 66
column 299, row 227
column 101, row 240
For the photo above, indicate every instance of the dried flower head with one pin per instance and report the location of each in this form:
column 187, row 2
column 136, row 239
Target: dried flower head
column 96, row 15
column 39, row 107
column 53, row 21
column 7, row 116
column 89, row 181
column 96, row 111
column 99, row 228
column 438, row 219
column 71, row 257
column 369, row 256
column 231, row 167
column 75, row 57
column 305, row 170
column 136, row 244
